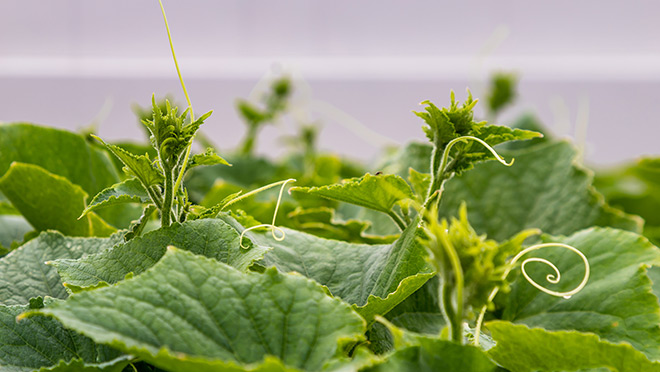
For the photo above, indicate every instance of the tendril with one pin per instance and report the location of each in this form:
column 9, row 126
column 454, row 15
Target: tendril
column 551, row 278
column 272, row 226
column 465, row 139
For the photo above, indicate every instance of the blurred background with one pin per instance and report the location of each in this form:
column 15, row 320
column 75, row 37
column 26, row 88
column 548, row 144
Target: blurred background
column 589, row 70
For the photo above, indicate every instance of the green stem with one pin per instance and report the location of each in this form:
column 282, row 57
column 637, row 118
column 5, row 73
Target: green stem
column 250, row 138
column 435, row 164
column 397, row 219
column 166, row 211
column 155, row 197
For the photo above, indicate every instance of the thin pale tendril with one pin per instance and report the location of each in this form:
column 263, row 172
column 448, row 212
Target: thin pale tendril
column 551, row 278
column 465, row 139
column 272, row 226
column 185, row 92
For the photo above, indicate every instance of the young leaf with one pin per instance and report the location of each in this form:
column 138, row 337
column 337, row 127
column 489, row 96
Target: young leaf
column 545, row 189
column 521, row 349
column 207, row 158
column 138, row 165
column 24, row 274
column 210, row 312
column 49, row 201
column 128, row 191
column 617, row 304
column 379, row 192
column 210, row 237
column 31, row 344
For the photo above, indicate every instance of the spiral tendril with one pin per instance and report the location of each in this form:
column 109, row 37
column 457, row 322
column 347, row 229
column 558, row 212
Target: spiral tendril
column 272, row 226
column 551, row 278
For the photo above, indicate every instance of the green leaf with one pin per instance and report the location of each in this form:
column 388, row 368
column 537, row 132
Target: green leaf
column 617, row 304
column 321, row 222
column 413, row 155
column 544, row 189
column 374, row 278
column 49, row 201
column 31, row 344
column 12, row 229
column 521, row 349
column 191, row 311
column 138, row 165
column 379, row 192
column 128, row 191
column 210, row 237
column 24, row 274
column 420, row 182
column 436, row 355
column 59, row 152
column 207, row 158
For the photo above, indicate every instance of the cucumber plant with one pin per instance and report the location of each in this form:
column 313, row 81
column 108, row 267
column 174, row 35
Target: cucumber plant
column 443, row 260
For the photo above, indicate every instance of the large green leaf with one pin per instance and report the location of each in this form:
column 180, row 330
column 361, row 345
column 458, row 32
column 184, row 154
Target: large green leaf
column 436, row 355
column 24, row 273
column 544, row 189
column 31, row 344
column 210, row 237
column 49, row 201
column 521, row 349
column 379, row 192
column 128, row 191
column 617, row 304
column 59, row 152
column 192, row 313
column 375, row 278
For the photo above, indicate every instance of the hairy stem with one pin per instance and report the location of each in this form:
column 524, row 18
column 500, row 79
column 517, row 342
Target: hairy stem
column 155, row 197
column 397, row 219
column 166, row 211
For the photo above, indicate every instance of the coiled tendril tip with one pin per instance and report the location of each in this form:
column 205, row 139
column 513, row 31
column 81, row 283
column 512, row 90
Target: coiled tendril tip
column 272, row 226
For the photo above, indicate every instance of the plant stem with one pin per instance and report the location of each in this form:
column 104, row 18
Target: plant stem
column 397, row 219
column 155, row 196
column 165, row 212
column 454, row 317
column 435, row 165
column 248, row 143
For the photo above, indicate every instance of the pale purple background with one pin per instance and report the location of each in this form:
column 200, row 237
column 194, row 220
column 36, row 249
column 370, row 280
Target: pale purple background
column 595, row 63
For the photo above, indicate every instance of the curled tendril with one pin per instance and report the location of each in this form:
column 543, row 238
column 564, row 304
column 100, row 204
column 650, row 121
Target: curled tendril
column 551, row 278
column 465, row 139
column 272, row 226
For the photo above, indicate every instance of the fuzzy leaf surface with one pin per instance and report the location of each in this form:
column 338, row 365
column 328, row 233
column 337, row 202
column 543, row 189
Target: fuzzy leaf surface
column 31, row 344
column 375, row 278
column 128, row 191
column 209, row 237
column 379, row 192
column 521, row 349
column 138, row 165
column 59, row 152
column 50, row 201
column 617, row 304
column 24, row 274
column 189, row 307
column 207, row 158
column 544, row 189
